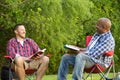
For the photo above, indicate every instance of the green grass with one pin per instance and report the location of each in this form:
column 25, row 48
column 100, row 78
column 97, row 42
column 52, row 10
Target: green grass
column 50, row 77
column 69, row 77
column 54, row 77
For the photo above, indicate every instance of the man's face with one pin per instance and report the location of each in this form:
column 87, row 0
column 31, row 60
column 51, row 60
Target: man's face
column 20, row 32
column 100, row 29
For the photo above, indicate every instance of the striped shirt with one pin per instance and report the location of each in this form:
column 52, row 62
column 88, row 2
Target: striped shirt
column 104, row 44
column 28, row 48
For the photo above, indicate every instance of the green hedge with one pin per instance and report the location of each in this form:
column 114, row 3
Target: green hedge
column 54, row 23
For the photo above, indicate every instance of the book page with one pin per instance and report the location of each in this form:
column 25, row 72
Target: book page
column 37, row 53
column 72, row 47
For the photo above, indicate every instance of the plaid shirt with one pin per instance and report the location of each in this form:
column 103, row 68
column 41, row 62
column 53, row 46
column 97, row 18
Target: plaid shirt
column 104, row 44
column 14, row 47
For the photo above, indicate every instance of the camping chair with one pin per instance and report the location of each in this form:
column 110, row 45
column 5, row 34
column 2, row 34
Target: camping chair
column 30, row 72
column 98, row 69
column 10, row 62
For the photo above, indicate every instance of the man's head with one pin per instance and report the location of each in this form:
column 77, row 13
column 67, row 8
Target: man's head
column 103, row 25
column 19, row 31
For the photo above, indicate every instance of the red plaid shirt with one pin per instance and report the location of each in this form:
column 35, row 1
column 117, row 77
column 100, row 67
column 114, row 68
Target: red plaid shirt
column 14, row 47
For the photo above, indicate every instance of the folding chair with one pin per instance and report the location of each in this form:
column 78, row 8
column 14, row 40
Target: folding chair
column 97, row 68
column 30, row 72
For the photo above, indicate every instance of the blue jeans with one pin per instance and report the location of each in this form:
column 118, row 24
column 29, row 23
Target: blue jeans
column 79, row 61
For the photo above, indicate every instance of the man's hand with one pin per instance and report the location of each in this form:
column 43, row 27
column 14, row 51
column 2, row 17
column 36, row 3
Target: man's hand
column 72, row 51
column 82, row 49
column 37, row 56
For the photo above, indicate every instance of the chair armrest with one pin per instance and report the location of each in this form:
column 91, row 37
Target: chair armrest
column 48, row 55
column 7, row 57
column 110, row 53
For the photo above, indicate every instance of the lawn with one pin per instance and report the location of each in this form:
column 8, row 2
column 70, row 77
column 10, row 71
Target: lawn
column 69, row 77
column 52, row 77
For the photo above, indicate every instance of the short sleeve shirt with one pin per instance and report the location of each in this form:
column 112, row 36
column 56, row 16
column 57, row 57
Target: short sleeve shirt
column 104, row 44
column 28, row 48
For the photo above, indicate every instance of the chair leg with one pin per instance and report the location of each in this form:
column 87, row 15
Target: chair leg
column 114, row 73
column 11, row 76
column 91, row 77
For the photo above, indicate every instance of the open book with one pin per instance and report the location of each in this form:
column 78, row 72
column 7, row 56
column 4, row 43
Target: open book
column 36, row 54
column 72, row 47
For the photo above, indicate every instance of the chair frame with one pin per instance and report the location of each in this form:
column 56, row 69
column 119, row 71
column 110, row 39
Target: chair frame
column 97, row 69
column 27, row 71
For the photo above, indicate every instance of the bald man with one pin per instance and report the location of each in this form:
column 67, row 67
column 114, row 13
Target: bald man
column 102, row 41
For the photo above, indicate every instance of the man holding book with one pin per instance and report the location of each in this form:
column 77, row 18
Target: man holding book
column 101, row 42
column 26, row 54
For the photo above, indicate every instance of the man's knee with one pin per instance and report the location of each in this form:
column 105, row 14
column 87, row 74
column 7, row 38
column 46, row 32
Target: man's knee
column 46, row 59
column 65, row 56
column 19, row 60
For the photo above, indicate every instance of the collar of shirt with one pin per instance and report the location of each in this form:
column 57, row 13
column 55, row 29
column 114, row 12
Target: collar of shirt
column 95, row 37
column 21, row 41
column 102, row 34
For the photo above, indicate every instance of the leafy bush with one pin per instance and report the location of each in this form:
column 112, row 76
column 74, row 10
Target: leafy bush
column 54, row 23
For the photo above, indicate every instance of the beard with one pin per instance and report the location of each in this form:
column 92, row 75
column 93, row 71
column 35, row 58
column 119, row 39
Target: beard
column 22, row 36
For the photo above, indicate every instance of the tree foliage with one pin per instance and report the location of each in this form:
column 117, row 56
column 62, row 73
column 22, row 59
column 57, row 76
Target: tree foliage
column 54, row 23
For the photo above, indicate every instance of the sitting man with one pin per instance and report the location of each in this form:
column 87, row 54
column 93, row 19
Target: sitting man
column 20, row 49
column 102, row 41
